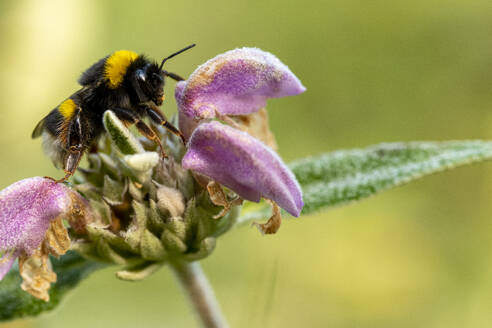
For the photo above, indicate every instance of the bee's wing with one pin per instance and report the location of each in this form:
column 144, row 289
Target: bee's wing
column 50, row 123
column 38, row 130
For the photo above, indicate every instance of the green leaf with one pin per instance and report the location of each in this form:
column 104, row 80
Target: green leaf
column 120, row 135
column 340, row 177
column 70, row 269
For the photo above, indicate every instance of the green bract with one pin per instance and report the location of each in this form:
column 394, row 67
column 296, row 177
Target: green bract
column 150, row 211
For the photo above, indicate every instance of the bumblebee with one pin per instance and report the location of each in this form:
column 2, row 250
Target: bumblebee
column 128, row 84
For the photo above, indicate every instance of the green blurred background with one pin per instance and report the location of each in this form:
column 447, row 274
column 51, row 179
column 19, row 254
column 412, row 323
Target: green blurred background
column 418, row 256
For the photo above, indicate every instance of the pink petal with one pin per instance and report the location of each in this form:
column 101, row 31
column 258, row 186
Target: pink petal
column 26, row 209
column 243, row 164
column 6, row 263
column 237, row 82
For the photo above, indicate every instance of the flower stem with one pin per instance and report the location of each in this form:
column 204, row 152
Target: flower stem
column 200, row 293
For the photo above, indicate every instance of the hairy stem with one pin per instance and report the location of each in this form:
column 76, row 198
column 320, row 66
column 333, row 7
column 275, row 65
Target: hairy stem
column 200, row 294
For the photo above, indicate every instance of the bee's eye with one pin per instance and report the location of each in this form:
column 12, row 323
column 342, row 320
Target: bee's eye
column 157, row 80
column 140, row 74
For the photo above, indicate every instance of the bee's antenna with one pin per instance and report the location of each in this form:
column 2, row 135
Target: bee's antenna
column 176, row 53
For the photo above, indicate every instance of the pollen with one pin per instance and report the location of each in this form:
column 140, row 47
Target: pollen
column 116, row 66
column 67, row 108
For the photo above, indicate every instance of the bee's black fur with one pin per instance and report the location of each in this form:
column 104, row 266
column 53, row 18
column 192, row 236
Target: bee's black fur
column 138, row 95
column 94, row 73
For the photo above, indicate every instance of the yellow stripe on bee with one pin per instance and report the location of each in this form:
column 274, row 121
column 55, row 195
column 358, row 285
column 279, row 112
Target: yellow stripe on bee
column 116, row 66
column 67, row 108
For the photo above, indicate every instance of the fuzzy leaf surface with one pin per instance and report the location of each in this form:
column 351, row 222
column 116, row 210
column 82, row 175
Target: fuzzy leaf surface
column 340, row 177
column 344, row 176
column 120, row 135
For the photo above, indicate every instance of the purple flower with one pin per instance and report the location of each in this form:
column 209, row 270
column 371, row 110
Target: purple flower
column 233, row 86
column 237, row 82
column 27, row 209
column 243, row 164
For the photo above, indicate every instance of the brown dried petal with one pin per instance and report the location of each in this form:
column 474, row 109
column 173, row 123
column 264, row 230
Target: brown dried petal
column 219, row 198
column 35, row 269
column 273, row 224
column 256, row 125
column 81, row 213
column 57, row 241
column 37, row 274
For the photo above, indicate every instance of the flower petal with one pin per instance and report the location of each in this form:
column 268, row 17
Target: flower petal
column 237, row 82
column 273, row 223
column 6, row 262
column 243, row 164
column 256, row 125
column 37, row 274
column 26, row 210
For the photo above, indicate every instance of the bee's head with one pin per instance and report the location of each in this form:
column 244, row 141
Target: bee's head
column 151, row 82
column 151, row 79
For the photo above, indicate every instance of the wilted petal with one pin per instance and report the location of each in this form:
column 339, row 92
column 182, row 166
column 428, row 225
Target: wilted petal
column 243, row 164
column 237, row 82
column 31, row 213
column 219, row 198
column 37, row 274
column 57, row 240
column 256, row 125
column 26, row 210
column 273, row 223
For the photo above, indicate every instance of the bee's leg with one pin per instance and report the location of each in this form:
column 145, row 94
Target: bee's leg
column 72, row 161
column 128, row 115
column 76, row 138
column 159, row 118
